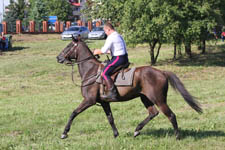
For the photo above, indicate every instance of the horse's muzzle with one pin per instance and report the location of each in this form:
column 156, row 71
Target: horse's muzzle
column 60, row 59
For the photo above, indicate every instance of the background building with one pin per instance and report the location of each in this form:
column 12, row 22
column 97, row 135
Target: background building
column 78, row 6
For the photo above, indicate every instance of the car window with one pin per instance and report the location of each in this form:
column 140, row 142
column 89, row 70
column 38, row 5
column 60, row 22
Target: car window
column 74, row 23
column 73, row 29
column 83, row 28
column 98, row 29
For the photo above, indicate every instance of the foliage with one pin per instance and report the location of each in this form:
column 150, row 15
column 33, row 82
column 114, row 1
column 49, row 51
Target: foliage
column 105, row 10
column 38, row 12
column 62, row 9
column 16, row 11
column 161, row 21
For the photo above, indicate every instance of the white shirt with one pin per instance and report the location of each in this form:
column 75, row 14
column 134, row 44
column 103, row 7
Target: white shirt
column 115, row 43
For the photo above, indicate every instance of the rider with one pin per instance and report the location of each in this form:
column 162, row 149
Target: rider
column 116, row 45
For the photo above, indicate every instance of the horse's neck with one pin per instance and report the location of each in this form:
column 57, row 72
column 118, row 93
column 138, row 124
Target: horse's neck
column 88, row 68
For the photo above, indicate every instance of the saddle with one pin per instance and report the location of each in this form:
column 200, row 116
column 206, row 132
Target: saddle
column 121, row 76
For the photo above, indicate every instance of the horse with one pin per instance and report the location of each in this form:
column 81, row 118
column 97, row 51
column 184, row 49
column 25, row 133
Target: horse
column 150, row 84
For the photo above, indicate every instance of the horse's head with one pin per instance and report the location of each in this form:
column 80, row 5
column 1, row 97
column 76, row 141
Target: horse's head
column 69, row 53
column 75, row 52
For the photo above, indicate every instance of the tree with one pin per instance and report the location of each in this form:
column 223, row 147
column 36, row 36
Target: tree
column 16, row 11
column 143, row 22
column 62, row 9
column 161, row 21
column 105, row 10
column 38, row 12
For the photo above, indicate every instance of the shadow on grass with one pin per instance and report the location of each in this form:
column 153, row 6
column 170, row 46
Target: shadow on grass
column 197, row 134
column 214, row 56
column 16, row 48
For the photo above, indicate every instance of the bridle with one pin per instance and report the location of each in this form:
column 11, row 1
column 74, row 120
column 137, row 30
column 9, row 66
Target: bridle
column 74, row 61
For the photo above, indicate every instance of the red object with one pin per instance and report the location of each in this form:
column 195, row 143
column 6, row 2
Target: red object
column 68, row 24
column 18, row 26
column 5, row 25
column 89, row 25
column 223, row 33
column 32, row 26
column 3, row 38
column 76, row 4
column 57, row 26
column 45, row 26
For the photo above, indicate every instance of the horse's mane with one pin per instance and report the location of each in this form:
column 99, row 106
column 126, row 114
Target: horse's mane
column 83, row 44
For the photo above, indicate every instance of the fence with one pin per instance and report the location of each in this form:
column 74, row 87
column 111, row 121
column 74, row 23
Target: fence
column 43, row 27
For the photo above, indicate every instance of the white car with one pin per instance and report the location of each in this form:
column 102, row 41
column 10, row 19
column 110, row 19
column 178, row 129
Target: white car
column 97, row 33
column 75, row 31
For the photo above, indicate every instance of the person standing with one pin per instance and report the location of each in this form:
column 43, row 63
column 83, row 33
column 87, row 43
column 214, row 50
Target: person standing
column 114, row 44
column 2, row 41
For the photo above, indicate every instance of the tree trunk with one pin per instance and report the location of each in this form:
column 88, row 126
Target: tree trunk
column 157, row 54
column 175, row 51
column 179, row 50
column 188, row 49
column 152, row 54
column 203, row 46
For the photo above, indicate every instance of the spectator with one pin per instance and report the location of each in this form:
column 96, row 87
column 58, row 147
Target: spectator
column 215, row 34
column 2, row 41
column 223, row 36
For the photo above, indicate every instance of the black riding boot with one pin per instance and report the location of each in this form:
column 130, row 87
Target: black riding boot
column 111, row 93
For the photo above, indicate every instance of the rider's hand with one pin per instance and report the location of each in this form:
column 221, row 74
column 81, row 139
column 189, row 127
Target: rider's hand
column 97, row 51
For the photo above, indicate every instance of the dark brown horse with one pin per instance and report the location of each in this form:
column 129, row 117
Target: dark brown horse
column 150, row 84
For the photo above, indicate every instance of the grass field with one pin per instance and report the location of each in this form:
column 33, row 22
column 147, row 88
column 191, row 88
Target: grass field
column 37, row 97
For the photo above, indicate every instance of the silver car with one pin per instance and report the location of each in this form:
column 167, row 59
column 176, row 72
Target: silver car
column 75, row 31
column 97, row 33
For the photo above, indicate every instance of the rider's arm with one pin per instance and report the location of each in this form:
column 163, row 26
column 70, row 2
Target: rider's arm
column 98, row 51
column 105, row 49
column 107, row 46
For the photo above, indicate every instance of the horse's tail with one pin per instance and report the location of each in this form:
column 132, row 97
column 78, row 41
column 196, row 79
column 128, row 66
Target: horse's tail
column 178, row 86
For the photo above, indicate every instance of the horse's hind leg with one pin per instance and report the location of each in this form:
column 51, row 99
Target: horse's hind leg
column 171, row 116
column 108, row 112
column 152, row 113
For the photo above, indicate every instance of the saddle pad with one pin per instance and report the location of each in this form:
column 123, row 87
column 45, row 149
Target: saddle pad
column 122, row 80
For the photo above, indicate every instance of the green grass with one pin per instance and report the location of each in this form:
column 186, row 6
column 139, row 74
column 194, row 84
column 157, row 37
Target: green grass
column 37, row 97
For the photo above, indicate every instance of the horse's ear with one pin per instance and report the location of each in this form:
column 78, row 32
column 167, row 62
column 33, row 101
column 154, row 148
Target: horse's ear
column 75, row 39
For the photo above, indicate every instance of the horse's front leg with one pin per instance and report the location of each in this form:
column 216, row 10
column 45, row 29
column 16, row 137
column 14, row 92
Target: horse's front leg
column 109, row 115
column 84, row 105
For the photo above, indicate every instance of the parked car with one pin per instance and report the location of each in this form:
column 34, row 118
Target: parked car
column 74, row 24
column 1, row 28
column 75, row 31
column 97, row 33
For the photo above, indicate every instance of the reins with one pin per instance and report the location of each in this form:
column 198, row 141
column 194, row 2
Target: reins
column 74, row 61
column 77, row 63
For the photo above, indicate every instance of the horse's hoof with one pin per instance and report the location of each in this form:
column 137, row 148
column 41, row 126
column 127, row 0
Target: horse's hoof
column 64, row 136
column 136, row 133
column 177, row 136
column 116, row 135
